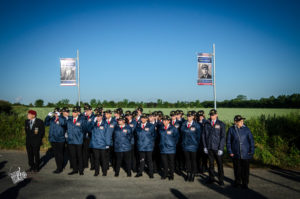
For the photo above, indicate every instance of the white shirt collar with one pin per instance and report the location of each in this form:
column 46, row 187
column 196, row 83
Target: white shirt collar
column 189, row 123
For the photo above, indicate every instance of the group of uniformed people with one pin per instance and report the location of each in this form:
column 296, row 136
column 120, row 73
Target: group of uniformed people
column 163, row 143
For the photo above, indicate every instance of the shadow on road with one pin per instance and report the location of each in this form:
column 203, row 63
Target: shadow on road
column 13, row 192
column 178, row 194
column 2, row 173
column 289, row 174
column 45, row 159
column 91, row 197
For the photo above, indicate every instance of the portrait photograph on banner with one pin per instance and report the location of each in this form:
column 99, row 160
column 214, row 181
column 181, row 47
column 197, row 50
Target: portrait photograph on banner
column 204, row 69
column 68, row 72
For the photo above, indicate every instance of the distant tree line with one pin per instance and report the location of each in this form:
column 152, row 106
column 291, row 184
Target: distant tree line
column 241, row 101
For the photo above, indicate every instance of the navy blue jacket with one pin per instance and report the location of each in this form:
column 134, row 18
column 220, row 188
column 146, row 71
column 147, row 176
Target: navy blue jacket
column 145, row 137
column 100, row 139
column 133, row 124
column 56, row 131
column 240, row 142
column 76, row 131
column 123, row 138
column 213, row 137
column 89, row 119
column 191, row 136
column 111, row 128
column 168, row 139
column 177, row 124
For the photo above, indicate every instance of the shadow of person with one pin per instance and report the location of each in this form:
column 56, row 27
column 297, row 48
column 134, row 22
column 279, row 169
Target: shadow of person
column 91, row 197
column 45, row 159
column 232, row 192
column 13, row 192
column 178, row 194
column 2, row 173
column 289, row 174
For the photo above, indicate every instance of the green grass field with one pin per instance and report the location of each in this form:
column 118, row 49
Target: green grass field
column 225, row 114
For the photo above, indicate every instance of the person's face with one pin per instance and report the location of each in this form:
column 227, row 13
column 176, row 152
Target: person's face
column 240, row 123
column 205, row 71
column 117, row 115
column 107, row 115
column 173, row 117
column 139, row 113
column 144, row 120
column 56, row 114
column 99, row 118
column 65, row 114
column 151, row 119
column 166, row 122
column 88, row 112
column 75, row 114
column 121, row 122
column 190, row 118
column 178, row 116
column 201, row 117
column 30, row 116
column 214, row 117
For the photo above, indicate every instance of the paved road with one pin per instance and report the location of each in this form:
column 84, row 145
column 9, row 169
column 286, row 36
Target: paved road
column 264, row 183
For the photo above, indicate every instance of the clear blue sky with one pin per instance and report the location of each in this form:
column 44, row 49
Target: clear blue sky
column 146, row 50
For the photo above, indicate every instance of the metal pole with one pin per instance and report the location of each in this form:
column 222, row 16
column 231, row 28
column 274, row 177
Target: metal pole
column 215, row 93
column 78, row 85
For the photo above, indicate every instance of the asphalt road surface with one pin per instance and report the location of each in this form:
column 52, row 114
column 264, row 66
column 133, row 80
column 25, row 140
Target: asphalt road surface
column 264, row 183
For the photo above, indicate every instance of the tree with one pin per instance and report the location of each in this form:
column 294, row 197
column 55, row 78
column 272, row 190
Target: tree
column 39, row 103
column 93, row 102
column 241, row 97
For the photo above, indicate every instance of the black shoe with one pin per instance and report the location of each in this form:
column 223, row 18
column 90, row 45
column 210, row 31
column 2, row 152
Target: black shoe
column 92, row 168
column 116, row 175
column 245, row 186
column 57, row 171
column 138, row 175
column 104, row 174
column 192, row 177
column 73, row 172
column 209, row 181
column 129, row 174
column 163, row 177
column 151, row 176
column 171, row 178
column 81, row 173
column 187, row 177
column 96, row 174
column 221, row 183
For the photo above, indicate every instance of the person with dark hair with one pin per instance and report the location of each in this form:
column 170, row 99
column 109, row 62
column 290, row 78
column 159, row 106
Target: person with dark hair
column 35, row 131
column 240, row 147
column 205, row 73
column 213, row 138
column 202, row 157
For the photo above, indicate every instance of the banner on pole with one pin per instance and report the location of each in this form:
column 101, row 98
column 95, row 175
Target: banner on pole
column 68, row 72
column 204, row 69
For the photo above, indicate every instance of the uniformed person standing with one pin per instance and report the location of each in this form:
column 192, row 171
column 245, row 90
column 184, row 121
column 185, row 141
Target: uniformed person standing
column 146, row 135
column 100, row 141
column 179, row 162
column 202, row 157
column 132, row 123
column 87, row 152
column 35, row 131
column 168, row 140
column 76, row 125
column 240, row 147
column 57, row 137
column 214, row 141
column 122, row 145
column 110, row 130
column 191, row 133
column 156, row 152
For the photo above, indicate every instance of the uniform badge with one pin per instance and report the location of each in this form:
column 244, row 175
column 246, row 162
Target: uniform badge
column 169, row 132
column 77, row 123
column 101, row 127
column 90, row 120
column 111, row 126
column 217, row 126
column 131, row 125
column 177, row 126
column 36, row 130
column 125, row 130
column 155, row 128
column 146, row 129
column 57, row 122
column 193, row 129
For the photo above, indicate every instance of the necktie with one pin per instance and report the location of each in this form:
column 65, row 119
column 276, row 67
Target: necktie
column 121, row 127
column 98, row 124
column 88, row 117
column 166, row 127
column 56, row 119
column 173, row 122
column 74, row 121
column 189, row 125
column 108, row 122
column 213, row 123
column 31, row 124
column 143, row 126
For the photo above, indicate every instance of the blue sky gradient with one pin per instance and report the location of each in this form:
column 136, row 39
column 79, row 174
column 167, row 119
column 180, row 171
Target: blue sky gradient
column 146, row 50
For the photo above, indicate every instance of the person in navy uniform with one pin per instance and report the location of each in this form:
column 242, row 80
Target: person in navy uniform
column 35, row 131
column 213, row 138
column 132, row 123
column 156, row 152
column 57, row 137
column 87, row 153
column 146, row 135
column 117, row 113
column 110, row 130
column 123, row 136
column 76, row 125
column 191, row 133
column 100, row 141
column 169, row 136
column 139, row 111
column 202, row 157
column 240, row 147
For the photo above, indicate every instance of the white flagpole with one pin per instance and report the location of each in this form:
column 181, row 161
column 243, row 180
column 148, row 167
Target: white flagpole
column 215, row 93
column 78, row 81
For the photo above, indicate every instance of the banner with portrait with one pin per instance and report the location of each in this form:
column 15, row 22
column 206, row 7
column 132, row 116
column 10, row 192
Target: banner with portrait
column 68, row 72
column 204, row 69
